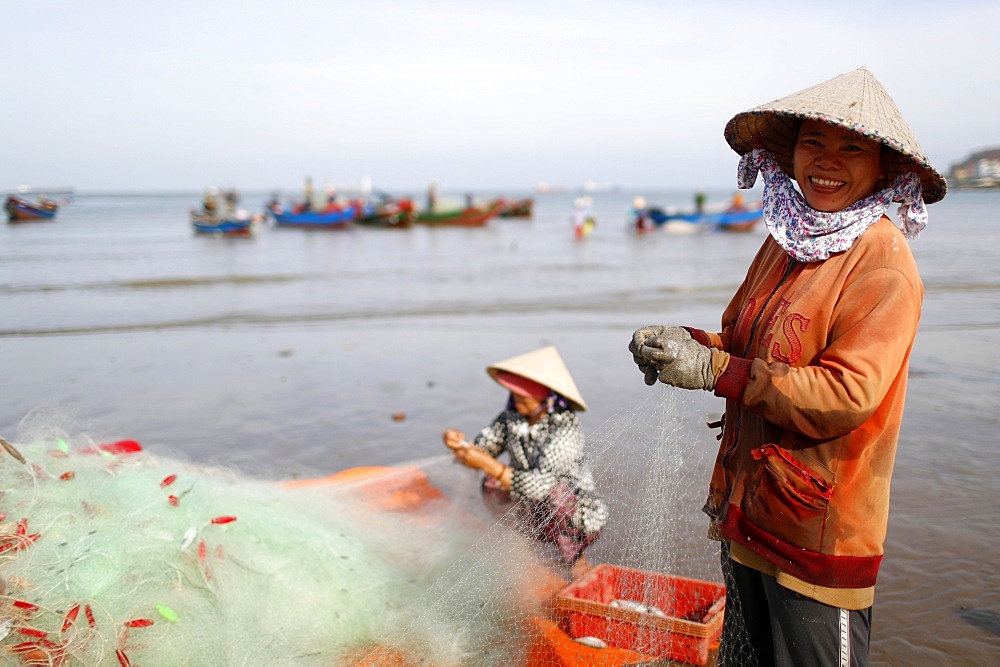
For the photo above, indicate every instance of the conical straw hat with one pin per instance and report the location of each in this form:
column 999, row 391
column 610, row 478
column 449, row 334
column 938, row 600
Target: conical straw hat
column 546, row 367
column 856, row 101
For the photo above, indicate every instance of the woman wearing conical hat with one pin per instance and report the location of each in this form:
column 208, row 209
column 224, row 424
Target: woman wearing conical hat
column 539, row 431
column 812, row 360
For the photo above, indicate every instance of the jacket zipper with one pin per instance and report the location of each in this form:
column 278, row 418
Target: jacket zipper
column 792, row 263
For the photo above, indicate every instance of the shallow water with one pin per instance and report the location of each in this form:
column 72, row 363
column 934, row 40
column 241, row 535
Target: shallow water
column 288, row 354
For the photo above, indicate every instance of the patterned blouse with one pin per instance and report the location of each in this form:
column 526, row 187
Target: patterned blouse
column 544, row 454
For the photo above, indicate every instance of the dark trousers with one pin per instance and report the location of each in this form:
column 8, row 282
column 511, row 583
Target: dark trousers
column 767, row 624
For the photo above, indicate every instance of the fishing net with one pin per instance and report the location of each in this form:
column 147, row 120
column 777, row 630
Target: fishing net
column 111, row 554
column 654, row 592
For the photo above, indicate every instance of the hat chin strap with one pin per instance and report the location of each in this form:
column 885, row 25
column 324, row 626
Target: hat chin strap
column 809, row 235
column 542, row 407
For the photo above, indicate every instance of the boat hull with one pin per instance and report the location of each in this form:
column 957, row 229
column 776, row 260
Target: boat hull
column 211, row 226
column 521, row 208
column 473, row 216
column 19, row 210
column 725, row 221
column 739, row 221
column 389, row 216
column 315, row 219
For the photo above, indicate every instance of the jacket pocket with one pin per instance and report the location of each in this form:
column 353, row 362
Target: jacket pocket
column 787, row 499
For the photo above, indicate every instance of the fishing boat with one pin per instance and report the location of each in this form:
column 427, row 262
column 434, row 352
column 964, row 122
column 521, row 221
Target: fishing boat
column 240, row 224
column 21, row 210
column 469, row 216
column 330, row 218
column 387, row 213
column 729, row 220
column 517, row 208
column 745, row 225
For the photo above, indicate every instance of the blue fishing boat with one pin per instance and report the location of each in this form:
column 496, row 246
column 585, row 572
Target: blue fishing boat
column 729, row 220
column 21, row 210
column 330, row 218
column 229, row 226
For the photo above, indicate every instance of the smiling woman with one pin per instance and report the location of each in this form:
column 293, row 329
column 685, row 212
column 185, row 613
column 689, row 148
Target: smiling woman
column 799, row 497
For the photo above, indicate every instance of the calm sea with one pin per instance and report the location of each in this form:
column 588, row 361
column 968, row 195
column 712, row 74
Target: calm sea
column 297, row 353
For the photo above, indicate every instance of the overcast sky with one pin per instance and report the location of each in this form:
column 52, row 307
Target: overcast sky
column 179, row 95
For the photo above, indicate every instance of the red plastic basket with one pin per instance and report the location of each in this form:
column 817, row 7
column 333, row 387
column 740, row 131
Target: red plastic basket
column 691, row 619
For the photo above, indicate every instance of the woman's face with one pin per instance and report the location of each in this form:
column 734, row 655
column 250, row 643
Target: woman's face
column 834, row 166
column 525, row 405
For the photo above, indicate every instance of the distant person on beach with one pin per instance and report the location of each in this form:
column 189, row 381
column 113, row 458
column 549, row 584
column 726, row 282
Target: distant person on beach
column 589, row 219
column 431, row 196
column 812, row 360
column 274, row 204
column 736, row 204
column 578, row 216
column 641, row 219
column 699, row 202
column 542, row 436
column 307, row 203
column 582, row 217
column 232, row 199
column 210, row 204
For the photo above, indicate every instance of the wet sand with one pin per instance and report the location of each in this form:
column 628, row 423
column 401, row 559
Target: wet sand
column 285, row 378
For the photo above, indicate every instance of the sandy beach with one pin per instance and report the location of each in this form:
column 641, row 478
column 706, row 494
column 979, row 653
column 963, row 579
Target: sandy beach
column 287, row 355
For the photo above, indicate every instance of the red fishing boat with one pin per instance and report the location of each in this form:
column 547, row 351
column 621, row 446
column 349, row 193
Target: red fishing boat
column 517, row 208
column 470, row 216
column 386, row 212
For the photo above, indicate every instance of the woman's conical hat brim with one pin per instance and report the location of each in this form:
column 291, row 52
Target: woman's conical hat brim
column 856, row 101
column 546, row 367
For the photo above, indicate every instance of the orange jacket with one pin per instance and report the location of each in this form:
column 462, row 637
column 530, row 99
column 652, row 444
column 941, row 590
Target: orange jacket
column 815, row 389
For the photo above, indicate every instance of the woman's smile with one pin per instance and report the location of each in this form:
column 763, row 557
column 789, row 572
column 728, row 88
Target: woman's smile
column 826, row 182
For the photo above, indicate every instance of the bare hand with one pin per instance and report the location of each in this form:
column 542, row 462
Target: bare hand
column 473, row 457
column 454, row 440
column 464, row 452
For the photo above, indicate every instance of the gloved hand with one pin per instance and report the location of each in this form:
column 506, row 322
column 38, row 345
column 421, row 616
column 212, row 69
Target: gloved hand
column 640, row 337
column 682, row 363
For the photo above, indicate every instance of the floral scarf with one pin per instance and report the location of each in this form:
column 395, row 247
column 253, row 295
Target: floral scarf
column 809, row 235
